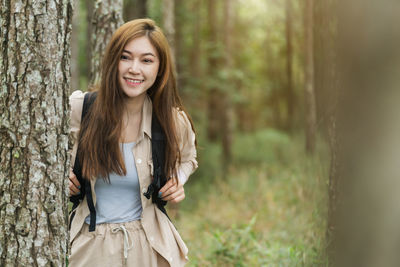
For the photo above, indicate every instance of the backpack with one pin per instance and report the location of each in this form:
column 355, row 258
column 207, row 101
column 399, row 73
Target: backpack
column 159, row 178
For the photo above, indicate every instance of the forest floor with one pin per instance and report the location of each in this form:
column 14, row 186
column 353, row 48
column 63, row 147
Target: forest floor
column 270, row 209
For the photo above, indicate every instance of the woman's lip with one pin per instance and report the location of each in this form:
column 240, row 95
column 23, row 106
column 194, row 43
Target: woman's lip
column 132, row 81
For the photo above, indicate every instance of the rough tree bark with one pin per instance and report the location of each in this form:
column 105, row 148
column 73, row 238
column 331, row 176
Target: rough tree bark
column 105, row 19
column 75, row 48
column 34, row 90
column 311, row 119
column 89, row 7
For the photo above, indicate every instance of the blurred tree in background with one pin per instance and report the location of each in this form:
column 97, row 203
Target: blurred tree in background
column 309, row 77
column 364, row 211
column 105, row 17
column 135, row 9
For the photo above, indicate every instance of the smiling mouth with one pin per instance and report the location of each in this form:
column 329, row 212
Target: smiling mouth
column 133, row 81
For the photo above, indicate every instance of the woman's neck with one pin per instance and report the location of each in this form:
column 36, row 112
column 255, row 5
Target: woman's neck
column 132, row 119
column 134, row 106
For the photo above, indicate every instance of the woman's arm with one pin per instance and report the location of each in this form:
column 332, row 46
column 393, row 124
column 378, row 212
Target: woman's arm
column 187, row 147
column 173, row 190
column 76, row 103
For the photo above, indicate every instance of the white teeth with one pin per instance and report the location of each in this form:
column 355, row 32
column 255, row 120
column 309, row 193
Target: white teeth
column 134, row 81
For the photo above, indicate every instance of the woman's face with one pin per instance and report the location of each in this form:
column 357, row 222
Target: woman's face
column 138, row 67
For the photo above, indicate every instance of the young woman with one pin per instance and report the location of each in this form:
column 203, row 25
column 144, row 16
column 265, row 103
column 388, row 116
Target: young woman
column 137, row 83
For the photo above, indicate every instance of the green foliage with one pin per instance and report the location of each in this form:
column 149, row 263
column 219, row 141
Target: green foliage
column 209, row 155
column 264, row 146
column 268, row 212
column 237, row 246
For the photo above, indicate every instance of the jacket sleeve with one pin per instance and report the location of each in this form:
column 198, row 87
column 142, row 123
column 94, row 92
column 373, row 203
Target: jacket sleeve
column 186, row 139
column 76, row 103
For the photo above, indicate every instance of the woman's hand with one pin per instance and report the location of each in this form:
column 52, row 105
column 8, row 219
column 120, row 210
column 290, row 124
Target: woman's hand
column 74, row 185
column 172, row 191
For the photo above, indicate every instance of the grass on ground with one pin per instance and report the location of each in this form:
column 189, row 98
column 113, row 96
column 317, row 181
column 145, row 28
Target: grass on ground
column 269, row 210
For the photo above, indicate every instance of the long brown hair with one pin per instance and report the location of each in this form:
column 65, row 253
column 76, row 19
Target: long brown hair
column 101, row 129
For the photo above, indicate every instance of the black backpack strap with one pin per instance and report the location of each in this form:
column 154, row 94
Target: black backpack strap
column 92, row 209
column 158, row 142
column 85, row 186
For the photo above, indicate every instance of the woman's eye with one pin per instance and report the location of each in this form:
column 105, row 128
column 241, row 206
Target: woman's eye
column 123, row 57
column 147, row 60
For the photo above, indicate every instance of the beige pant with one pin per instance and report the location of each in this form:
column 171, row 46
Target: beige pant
column 114, row 245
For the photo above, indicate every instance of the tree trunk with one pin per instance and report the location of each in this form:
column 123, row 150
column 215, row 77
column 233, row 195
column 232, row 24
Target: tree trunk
column 135, row 9
column 289, row 68
column 321, row 34
column 368, row 129
column 89, row 4
column 334, row 179
column 309, row 80
column 326, row 81
column 89, row 13
column 75, row 48
column 213, row 63
column 105, row 19
column 34, row 74
column 195, row 54
column 272, row 72
column 169, row 23
column 324, row 59
column 227, row 108
column 179, row 42
column 168, row 11
column 193, row 66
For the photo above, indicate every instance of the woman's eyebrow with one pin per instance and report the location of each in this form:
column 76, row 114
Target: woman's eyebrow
column 144, row 54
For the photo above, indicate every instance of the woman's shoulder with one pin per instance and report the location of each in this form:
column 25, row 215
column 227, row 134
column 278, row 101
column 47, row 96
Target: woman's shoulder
column 76, row 95
column 181, row 116
column 76, row 99
column 76, row 103
column 183, row 123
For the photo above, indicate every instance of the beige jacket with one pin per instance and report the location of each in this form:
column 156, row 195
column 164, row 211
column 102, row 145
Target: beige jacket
column 159, row 231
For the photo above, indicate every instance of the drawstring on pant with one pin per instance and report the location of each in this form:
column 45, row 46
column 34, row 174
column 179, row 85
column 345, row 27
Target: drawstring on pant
column 126, row 239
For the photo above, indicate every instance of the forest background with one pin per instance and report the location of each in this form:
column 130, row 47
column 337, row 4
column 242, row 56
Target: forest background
column 258, row 198
column 295, row 109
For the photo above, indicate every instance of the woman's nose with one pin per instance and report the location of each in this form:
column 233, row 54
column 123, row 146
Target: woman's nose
column 134, row 68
